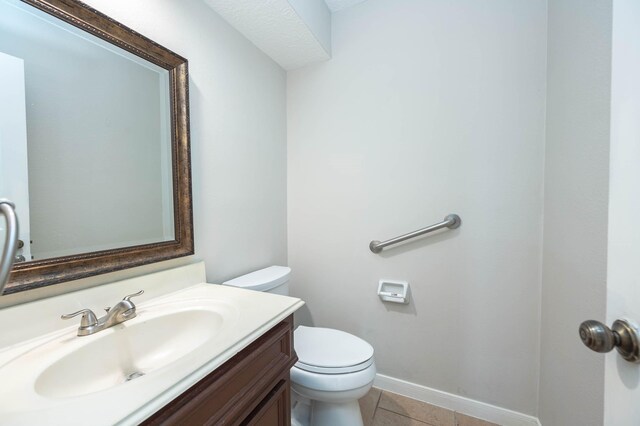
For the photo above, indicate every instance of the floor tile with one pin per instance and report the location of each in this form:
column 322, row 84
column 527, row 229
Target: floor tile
column 418, row 410
column 388, row 418
column 368, row 405
column 464, row 420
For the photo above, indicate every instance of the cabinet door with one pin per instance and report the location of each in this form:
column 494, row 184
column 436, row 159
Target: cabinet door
column 274, row 410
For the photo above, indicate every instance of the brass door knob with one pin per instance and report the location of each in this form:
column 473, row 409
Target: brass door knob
column 622, row 335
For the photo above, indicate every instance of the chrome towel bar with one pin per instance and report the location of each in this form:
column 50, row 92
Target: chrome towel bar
column 452, row 221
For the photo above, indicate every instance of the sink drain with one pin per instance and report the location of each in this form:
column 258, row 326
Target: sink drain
column 133, row 375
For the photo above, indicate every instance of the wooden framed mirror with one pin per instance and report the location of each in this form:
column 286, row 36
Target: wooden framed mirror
column 106, row 129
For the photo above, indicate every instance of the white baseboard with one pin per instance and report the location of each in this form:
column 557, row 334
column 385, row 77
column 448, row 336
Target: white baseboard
column 463, row 405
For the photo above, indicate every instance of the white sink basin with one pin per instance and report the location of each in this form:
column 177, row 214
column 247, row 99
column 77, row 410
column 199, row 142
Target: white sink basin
column 168, row 336
column 130, row 351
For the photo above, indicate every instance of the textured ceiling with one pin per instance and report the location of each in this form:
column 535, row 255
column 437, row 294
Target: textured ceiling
column 294, row 33
column 275, row 28
column 335, row 5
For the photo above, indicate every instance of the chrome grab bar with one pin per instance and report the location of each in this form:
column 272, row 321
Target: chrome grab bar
column 452, row 221
column 7, row 209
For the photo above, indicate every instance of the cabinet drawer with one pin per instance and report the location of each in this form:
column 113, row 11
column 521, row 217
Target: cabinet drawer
column 232, row 391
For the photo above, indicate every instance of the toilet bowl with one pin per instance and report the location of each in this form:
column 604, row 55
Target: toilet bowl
column 333, row 371
column 334, row 368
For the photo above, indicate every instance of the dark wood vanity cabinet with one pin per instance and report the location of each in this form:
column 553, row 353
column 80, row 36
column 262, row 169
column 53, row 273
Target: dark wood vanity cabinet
column 252, row 388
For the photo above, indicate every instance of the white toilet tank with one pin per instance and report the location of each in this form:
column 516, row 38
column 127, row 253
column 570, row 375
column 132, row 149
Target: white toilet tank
column 274, row 279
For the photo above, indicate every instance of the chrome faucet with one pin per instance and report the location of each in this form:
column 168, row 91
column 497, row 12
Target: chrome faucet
column 123, row 311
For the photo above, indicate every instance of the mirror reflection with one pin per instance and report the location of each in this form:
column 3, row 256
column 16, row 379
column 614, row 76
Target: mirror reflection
column 85, row 139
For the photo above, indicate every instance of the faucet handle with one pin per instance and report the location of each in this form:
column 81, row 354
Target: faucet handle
column 128, row 297
column 88, row 317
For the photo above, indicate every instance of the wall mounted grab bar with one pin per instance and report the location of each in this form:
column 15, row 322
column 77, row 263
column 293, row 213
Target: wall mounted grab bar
column 7, row 209
column 452, row 221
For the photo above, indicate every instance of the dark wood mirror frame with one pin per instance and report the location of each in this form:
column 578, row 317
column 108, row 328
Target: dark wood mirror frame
column 40, row 273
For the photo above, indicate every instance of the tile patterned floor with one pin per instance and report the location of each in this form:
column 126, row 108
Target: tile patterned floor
column 382, row 408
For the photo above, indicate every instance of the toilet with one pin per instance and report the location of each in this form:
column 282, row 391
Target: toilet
column 334, row 368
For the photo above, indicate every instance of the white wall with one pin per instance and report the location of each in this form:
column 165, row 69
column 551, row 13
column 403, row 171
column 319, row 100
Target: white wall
column 238, row 139
column 622, row 379
column 427, row 108
column 575, row 209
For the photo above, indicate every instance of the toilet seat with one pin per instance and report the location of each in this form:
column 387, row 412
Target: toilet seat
column 329, row 351
column 335, row 370
column 332, row 382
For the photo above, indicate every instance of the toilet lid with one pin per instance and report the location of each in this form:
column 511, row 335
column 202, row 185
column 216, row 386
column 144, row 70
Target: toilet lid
column 331, row 350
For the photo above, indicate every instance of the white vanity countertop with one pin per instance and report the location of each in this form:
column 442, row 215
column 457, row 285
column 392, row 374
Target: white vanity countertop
column 241, row 316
